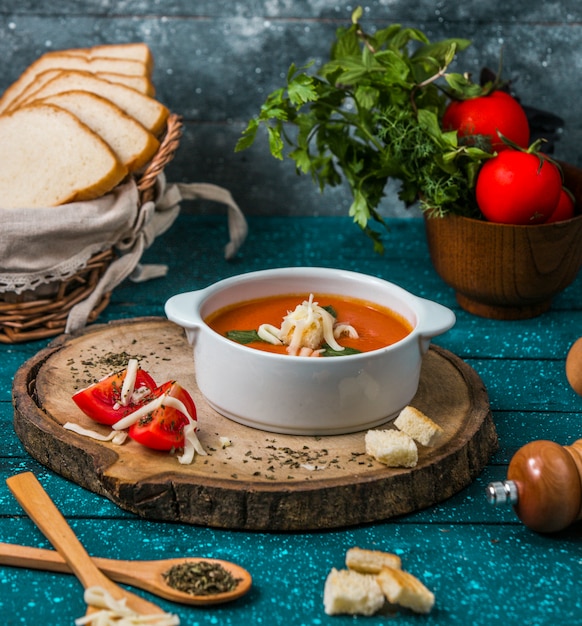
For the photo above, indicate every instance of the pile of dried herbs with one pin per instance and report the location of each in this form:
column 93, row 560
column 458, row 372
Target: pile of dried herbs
column 200, row 578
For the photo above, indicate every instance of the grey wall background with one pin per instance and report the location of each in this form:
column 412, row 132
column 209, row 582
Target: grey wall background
column 216, row 60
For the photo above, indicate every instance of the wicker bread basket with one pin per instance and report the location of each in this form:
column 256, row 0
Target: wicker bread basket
column 30, row 316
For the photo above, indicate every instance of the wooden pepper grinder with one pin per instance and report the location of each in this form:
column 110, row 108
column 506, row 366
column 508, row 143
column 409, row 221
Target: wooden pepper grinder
column 544, row 485
column 544, row 479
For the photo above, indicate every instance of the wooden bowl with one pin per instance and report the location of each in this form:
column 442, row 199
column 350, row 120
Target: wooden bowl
column 506, row 272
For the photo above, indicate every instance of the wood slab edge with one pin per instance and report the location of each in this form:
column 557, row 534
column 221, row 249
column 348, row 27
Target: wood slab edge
column 337, row 502
column 84, row 467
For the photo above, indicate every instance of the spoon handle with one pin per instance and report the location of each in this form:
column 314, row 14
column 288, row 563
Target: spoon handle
column 44, row 513
column 50, row 560
column 33, row 558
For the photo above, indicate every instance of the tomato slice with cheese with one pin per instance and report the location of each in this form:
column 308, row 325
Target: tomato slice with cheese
column 116, row 395
column 161, row 422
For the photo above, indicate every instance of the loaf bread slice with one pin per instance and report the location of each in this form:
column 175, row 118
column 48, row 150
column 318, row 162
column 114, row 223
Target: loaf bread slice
column 391, row 447
column 402, row 588
column 349, row 592
column 48, row 157
column 64, row 61
column 140, row 83
column 138, row 51
column 147, row 111
column 371, row 561
column 418, row 426
column 133, row 145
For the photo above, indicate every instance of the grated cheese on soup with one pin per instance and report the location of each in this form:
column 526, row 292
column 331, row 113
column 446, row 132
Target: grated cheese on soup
column 305, row 329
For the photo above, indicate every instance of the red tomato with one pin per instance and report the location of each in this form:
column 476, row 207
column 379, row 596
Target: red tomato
column 518, row 187
column 101, row 400
column 488, row 115
column 565, row 209
column 163, row 428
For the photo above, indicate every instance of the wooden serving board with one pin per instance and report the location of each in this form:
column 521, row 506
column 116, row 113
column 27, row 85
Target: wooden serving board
column 263, row 481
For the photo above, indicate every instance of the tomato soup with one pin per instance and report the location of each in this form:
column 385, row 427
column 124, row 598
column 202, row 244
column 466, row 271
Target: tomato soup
column 376, row 326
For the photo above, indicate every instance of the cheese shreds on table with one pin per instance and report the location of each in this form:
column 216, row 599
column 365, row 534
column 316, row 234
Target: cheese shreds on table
column 117, row 613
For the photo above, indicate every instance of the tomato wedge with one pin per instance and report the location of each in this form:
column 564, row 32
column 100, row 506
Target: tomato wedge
column 102, row 402
column 163, row 427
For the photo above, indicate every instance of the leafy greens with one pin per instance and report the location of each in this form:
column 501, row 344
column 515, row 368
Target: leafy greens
column 373, row 113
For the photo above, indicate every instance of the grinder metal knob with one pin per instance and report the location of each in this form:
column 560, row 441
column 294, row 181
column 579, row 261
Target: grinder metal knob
column 502, row 492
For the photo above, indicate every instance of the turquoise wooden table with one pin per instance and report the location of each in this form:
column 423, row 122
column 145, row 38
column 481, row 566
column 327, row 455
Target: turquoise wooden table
column 484, row 566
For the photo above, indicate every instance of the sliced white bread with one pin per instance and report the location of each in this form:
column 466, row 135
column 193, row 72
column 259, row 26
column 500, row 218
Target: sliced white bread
column 418, row 425
column 402, row 588
column 48, row 157
column 147, row 111
column 64, row 61
column 391, row 447
column 349, row 592
column 371, row 561
column 133, row 145
column 140, row 83
column 138, row 51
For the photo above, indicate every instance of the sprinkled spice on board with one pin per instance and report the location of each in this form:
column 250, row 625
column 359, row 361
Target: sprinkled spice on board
column 117, row 360
column 200, row 578
column 96, row 364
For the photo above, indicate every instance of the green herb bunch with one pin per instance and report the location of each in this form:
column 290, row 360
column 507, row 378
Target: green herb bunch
column 372, row 113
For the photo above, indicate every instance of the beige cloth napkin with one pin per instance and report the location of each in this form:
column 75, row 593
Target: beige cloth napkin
column 46, row 245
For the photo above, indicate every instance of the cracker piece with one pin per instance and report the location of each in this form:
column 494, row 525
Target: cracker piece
column 371, row 561
column 391, row 447
column 418, row 426
column 349, row 592
column 402, row 588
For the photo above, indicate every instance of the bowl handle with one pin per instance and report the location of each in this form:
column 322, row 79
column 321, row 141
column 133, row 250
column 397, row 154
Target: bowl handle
column 435, row 319
column 182, row 309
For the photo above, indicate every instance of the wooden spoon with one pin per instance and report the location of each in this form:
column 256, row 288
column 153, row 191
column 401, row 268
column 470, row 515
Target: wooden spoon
column 146, row 575
column 44, row 513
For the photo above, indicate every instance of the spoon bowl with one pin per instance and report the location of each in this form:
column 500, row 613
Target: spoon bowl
column 146, row 575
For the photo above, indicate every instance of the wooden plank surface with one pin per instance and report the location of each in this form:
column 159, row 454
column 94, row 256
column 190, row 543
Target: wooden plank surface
column 484, row 566
column 264, row 481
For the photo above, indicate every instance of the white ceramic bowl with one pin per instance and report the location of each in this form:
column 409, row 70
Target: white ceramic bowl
column 302, row 395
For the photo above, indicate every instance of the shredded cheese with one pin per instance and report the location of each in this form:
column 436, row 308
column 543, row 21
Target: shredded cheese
column 345, row 330
column 135, row 416
column 305, row 329
column 192, row 445
column 117, row 613
column 270, row 334
column 129, row 382
column 116, row 438
column 225, row 442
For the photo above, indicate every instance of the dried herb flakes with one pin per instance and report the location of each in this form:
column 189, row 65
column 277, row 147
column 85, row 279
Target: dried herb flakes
column 200, row 578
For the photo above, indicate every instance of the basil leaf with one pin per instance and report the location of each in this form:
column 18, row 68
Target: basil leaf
column 330, row 310
column 250, row 336
column 243, row 336
column 327, row 351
